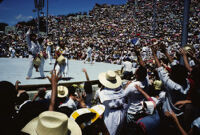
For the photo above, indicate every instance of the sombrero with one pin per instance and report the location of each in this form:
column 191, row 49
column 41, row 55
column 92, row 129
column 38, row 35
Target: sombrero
column 110, row 79
column 49, row 43
column 62, row 91
column 52, row 123
column 97, row 110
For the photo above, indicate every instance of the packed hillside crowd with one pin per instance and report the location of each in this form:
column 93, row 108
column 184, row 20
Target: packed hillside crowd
column 157, row 97
column 111, row 28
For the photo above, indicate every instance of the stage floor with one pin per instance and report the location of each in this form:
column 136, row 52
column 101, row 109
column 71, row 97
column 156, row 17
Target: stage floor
column 12, row 69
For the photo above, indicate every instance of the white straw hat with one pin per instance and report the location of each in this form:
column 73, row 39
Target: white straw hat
column 62, row 91
column 110, row 79
column 52, row 123
column 49, row 43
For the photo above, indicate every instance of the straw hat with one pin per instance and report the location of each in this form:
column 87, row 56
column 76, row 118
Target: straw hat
column 52, row 123
column 98, row 110
column 49, row 43
column 155, row 42
column 62, row 91
column 61, row 38
column 157, row 84
column 110, row 79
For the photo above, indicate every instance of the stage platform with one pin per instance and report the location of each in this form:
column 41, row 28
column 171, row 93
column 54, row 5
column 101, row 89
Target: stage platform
column 12, row 69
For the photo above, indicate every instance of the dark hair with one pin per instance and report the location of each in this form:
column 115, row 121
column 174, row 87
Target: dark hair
column 179, row 74
column 66, row 110
column 85, row 118
column 88, row 87
column 8, row 95
column 41, row 93
column 32, row 35
column 141, row 73
column 91, row 45
column 40, row 40
column 22, row 97
column 72, row 90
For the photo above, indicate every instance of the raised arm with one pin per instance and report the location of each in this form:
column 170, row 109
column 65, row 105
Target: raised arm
column 17, row 85
column 175, row 119
column 53, row 80
column 155, row 57
column 187, row 65
column 28, row 40
column 163, row 50
column 86, row 74
column 137, row 52
column 142, row 92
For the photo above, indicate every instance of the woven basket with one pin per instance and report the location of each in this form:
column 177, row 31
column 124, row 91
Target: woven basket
column 37, row 61
column 61, row 59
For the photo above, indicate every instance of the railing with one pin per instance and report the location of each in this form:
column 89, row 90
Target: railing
column 48, row 86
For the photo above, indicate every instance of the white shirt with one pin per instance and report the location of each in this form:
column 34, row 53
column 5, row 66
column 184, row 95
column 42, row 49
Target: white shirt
column 134, row 95
column 127, row 66
column 69, row 103
column 89, row 51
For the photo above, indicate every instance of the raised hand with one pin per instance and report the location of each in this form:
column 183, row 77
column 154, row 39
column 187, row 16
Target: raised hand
column 136, row 50
column 182, row 52
column 84, row 70
column 54, row 77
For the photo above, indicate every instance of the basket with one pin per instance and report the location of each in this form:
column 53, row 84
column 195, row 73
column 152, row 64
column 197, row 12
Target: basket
column 61, row 60
column 37, row 61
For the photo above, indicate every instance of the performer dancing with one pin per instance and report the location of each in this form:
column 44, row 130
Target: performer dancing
column 61, row 65
column 34, row 49
column 89, row 54
column 48, row 51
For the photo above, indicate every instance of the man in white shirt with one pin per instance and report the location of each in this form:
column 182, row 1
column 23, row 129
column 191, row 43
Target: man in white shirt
column 89, row 54
column 48, row 51
column 34, row 49
column 12, row 52
column 127, row 68
column 61, row 67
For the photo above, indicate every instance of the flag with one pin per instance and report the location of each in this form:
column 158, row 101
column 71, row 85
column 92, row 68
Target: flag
column 135, row 41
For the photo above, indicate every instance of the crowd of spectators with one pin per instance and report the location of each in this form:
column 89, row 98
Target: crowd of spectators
column 110, row 28
column 160, row 96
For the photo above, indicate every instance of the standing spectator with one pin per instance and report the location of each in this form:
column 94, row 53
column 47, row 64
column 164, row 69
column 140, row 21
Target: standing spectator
column 112, row 97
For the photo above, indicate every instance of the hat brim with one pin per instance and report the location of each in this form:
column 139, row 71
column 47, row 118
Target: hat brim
column 72, row 126
column 49, row 44
column 109, row 84
column 99, row 110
